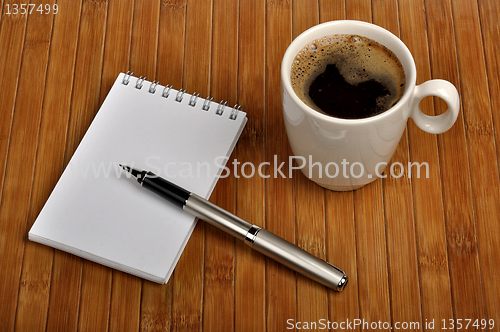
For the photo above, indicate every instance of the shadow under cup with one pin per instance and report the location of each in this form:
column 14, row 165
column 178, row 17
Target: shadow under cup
column 346, row 154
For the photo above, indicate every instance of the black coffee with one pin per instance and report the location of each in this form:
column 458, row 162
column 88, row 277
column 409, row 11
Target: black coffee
column 348, row 76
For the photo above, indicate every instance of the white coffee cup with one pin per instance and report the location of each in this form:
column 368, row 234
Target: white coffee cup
column 346, row 154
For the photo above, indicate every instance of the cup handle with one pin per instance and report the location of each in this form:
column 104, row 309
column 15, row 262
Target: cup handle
column 440, row 123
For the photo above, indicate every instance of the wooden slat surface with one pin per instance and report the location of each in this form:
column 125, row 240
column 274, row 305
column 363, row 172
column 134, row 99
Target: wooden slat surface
column 281, row 284
column 434, row 279
column 250, row 266
column 417, row 250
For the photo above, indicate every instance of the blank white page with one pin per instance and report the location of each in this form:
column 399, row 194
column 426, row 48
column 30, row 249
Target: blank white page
column 97, row 212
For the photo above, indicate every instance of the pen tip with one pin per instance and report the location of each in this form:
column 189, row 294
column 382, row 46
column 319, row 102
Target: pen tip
column 126, row 168
column 133, row 171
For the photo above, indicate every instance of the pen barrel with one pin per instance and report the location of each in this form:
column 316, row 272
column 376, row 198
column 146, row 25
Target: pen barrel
column 298, row 260
column 217, row 216
column 267, row 243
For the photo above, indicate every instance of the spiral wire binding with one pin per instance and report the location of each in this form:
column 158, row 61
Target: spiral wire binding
column 166, row 91
column 234, row 112
column 206, row 103
column 152, row 87
column 220, row 108
column 126, row 78
column 192, row 100
column 140, row 82
column 180, row 95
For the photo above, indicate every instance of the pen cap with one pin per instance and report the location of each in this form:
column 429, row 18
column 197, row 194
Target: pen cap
column 299, row 260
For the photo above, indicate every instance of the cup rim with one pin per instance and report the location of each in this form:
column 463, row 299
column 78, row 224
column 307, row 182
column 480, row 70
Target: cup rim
column 289, row 55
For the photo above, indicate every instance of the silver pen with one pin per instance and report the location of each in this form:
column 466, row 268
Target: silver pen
column 254, row 236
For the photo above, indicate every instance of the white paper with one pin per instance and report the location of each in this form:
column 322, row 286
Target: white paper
column 96, row 212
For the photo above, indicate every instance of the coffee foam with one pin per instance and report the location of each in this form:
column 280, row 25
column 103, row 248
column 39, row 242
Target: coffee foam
column 357, row 58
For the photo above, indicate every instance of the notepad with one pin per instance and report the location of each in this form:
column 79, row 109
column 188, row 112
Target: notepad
column 97, row 212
